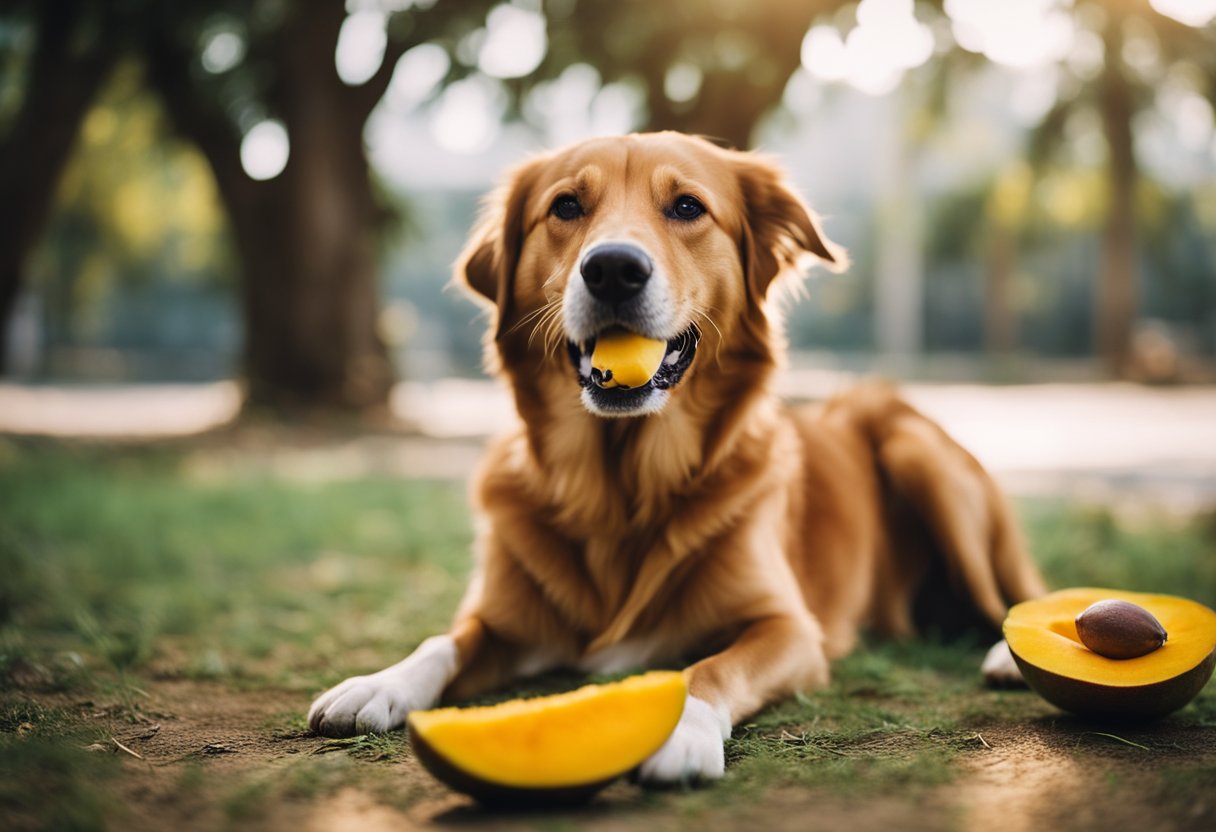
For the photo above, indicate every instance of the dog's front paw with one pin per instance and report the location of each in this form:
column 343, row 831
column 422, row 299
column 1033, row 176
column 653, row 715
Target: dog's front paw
column 694, row 751
column 381, row 701
column 999, row 668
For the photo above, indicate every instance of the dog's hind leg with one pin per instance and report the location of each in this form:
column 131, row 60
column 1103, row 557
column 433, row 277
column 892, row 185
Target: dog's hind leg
column 971, row 525
column 969, row 521
column 1017, row 574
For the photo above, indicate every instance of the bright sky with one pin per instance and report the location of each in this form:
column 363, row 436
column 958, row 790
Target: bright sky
column 1020, row 34
column 887, row 41
column 264, row 150
column 361, row 43
column 1190, row 12
column 1023, row 34
column 515, row 42
column 417, row 75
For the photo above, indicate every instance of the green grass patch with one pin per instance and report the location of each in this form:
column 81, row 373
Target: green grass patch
column 123, row 567
column 116, row 553
column 48, row 780
column 50, row 783
column 1083, row 545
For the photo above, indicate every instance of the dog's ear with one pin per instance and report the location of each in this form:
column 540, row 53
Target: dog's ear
column 779, row 230
column 487, row 264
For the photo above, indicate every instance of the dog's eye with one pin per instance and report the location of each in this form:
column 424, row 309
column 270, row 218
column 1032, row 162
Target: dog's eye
column 566, row 208
column 686, row 208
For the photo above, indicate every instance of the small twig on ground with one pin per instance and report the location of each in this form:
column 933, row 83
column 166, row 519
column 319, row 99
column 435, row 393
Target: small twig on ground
column 1117, row 738
column 122, row 747
column 980, row 737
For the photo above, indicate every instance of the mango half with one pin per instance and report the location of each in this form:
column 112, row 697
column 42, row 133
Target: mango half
column 1042, row 637
column 551, row 750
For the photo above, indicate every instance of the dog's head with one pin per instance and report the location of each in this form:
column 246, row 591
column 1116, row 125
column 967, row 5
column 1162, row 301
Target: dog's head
column 660, row 244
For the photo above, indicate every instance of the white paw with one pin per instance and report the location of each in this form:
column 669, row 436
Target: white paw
column 999, row 668
column 381, row 701
column 695, row 749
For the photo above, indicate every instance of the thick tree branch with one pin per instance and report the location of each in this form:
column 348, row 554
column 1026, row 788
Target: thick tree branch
column 407, row 29
column 367, row 95
column 62, row 82
column 199, row 118
column 63, row 79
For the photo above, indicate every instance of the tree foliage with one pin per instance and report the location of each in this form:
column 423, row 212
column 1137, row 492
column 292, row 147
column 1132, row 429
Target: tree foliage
column 306, row 239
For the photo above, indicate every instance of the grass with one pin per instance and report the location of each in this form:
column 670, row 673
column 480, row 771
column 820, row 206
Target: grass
column 110, row 554
column 1153, row 552
column 127, row 570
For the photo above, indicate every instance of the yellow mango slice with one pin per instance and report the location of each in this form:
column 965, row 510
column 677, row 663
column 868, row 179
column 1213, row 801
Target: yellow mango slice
column 552, row 749
column 626, row 359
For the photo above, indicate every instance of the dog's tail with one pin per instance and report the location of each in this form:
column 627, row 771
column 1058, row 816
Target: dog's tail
column 967, row 518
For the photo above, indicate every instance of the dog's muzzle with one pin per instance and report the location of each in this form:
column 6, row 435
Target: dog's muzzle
column 606, row 393
column 618, row 316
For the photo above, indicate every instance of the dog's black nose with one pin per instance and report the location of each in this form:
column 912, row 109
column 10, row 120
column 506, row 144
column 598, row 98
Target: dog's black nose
column 615, row 272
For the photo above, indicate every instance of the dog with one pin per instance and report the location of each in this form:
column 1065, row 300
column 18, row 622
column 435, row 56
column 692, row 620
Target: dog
column 693, row 517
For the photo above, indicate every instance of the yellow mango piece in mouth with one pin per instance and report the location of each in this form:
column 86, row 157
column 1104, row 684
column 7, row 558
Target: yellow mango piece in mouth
column 627, row 360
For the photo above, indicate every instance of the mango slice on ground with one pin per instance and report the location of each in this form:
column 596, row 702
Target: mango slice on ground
column 1042, row 636
column 627, row 360
column 557, row 749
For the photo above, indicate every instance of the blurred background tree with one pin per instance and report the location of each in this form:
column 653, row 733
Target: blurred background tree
column 1144, row 54
column 56, row 56
column 321, row 122
column 710, row 68
column 253, row 85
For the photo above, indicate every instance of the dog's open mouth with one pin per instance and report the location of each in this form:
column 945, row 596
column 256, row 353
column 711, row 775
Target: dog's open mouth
column 625, row 374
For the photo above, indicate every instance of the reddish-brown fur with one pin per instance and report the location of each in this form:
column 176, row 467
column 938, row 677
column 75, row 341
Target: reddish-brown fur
column 758, row 538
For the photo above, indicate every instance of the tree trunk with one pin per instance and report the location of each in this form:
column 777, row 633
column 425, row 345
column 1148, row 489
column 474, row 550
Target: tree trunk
column 310, row 287
column 1115, row 293
column 899, row 268
column 72, row 57
column 306, row 239
column 1000, row 316
column 312, row 301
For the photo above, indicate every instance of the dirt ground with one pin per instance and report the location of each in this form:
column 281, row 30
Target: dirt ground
column 206, row 755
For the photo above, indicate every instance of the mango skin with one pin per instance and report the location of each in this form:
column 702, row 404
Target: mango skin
column 1125, row 704
column 497, row 796
column 627, row 360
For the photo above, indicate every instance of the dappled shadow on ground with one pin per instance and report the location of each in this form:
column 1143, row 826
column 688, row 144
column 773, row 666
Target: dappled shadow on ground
column 194, row 755
column 1059, row 772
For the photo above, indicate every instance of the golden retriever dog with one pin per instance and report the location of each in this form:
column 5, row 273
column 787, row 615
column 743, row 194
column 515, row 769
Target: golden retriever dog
column 692, row 516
